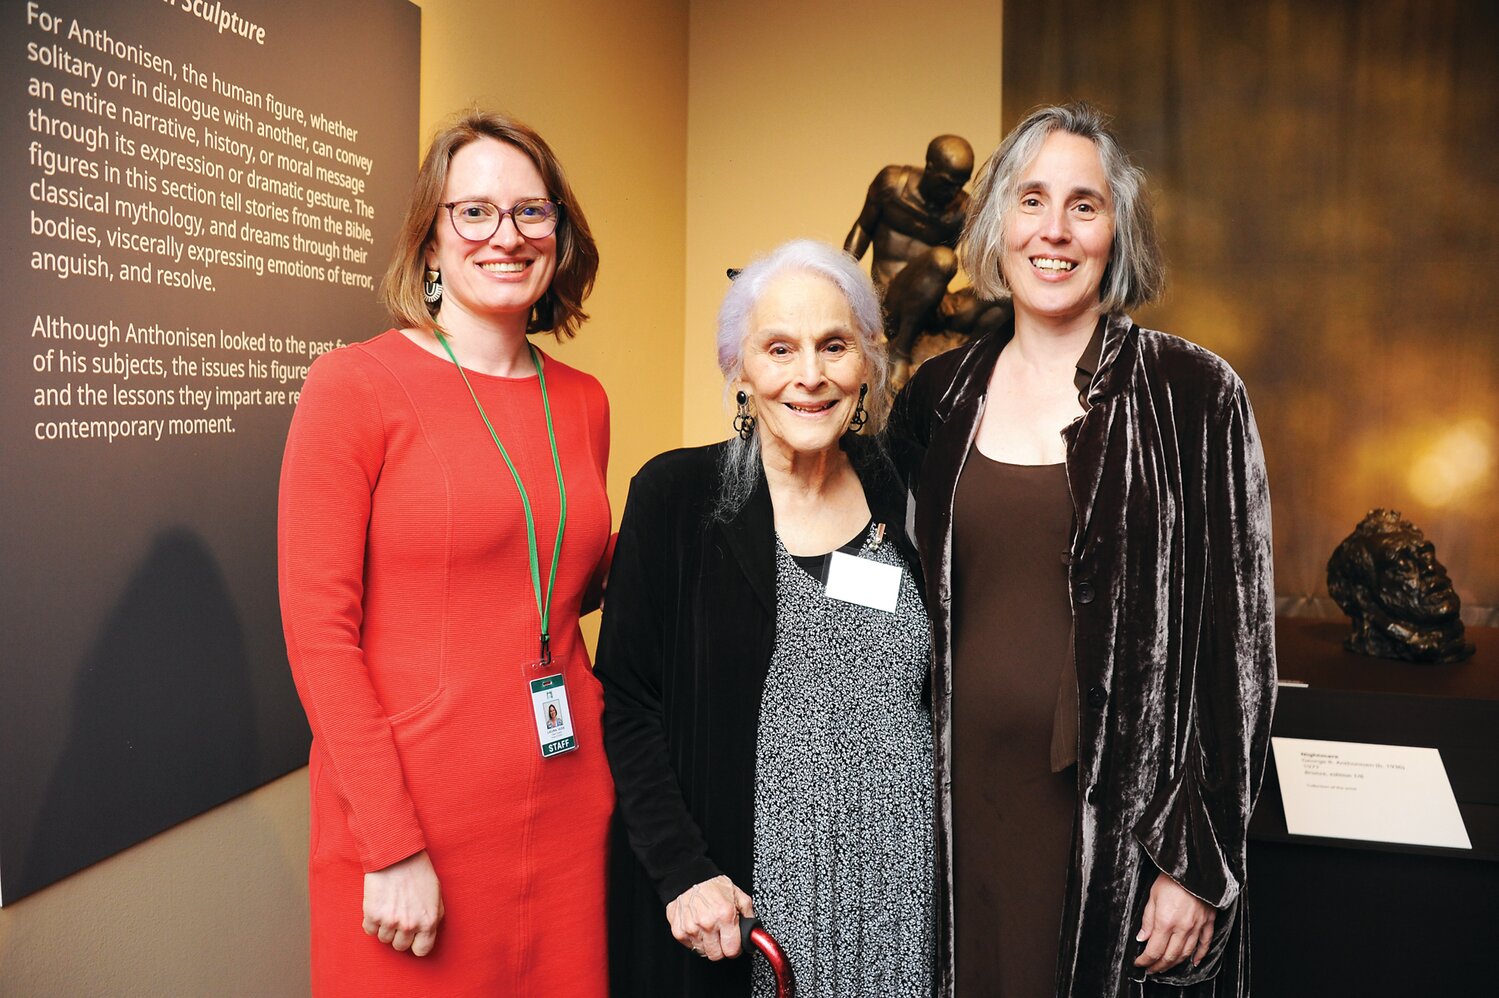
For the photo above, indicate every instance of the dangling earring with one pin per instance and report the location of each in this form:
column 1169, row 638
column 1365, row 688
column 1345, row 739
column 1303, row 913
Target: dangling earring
column 543, row 317
column 861, row 415
column 743, row 421
column 432, row 287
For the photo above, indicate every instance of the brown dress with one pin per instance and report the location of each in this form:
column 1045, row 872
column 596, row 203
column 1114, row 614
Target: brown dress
column 1012, row 816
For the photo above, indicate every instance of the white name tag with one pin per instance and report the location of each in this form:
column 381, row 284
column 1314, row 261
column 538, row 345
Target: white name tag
column 859, row 580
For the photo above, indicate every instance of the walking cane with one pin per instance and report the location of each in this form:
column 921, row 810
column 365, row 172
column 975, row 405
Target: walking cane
column 752, row 932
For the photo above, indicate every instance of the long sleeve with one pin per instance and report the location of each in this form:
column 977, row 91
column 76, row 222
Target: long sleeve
column 645, row 584
column 334, row 456
column 908, row 430
column 1195, row 830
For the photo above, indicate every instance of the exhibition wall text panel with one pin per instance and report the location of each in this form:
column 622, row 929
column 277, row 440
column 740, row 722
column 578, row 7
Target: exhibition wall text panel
column 199, row 198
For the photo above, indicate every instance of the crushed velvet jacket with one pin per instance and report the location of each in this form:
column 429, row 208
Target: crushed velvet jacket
column 1173, row 629
column 685, row 646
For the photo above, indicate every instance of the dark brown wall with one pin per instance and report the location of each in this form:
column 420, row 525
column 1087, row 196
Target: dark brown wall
column 1326, row 175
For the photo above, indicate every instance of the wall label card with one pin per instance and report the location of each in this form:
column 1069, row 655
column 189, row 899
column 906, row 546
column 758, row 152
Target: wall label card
column 1377, row 793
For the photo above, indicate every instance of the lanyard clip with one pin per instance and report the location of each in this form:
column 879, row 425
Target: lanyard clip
column 879, row 536
column 546, row 650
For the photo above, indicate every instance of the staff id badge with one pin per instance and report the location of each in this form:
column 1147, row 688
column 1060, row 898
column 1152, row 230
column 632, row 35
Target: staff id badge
column 554, row 720
column 859, row 580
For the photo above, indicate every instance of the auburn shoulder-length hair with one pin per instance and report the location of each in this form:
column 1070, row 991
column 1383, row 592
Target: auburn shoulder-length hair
column 560, row 310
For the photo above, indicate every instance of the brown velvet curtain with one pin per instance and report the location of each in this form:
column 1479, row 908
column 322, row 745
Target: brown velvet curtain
column 1326, row 175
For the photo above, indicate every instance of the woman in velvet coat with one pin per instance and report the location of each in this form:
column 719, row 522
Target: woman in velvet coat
column 1169, row 566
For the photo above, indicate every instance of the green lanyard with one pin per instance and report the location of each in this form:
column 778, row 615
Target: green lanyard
column 543, row 606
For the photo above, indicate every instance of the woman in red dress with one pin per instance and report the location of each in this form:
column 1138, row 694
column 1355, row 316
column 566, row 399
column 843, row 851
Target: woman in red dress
column 443, row 524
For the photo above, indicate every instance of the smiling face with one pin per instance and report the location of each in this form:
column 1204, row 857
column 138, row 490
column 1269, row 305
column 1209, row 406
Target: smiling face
column 499, row 278
column 1060, row 232
column 802, row 364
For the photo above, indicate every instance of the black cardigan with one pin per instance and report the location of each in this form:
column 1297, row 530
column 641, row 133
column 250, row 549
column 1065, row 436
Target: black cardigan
column 688, row 630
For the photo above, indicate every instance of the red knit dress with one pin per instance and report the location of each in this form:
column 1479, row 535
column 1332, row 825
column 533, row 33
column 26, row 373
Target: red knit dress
column 409, row 613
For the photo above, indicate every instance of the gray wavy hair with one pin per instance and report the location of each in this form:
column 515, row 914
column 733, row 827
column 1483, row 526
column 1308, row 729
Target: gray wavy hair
column 740, row 469
column 1136, row 274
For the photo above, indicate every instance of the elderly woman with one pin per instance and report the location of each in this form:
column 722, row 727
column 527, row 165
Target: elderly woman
column 443, row 523
column 763, row 655
column 1092, row 516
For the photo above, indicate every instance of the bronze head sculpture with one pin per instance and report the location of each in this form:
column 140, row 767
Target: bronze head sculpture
column 1386, row 577
column 949, row 164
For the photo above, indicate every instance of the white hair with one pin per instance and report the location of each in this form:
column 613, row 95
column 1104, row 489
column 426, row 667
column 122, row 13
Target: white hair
column 740, row 468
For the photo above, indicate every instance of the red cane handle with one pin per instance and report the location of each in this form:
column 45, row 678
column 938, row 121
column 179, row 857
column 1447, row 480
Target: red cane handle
column 751, row 932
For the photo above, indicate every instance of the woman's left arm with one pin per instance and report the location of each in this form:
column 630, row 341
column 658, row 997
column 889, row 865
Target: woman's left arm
column 636, row 665
column 1195, row 829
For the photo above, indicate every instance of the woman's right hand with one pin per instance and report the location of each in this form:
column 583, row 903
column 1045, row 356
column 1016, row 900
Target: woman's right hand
column 705, row 917
column 403, row 904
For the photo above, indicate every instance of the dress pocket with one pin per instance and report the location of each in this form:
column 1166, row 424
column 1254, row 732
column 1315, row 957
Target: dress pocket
column 416, row 711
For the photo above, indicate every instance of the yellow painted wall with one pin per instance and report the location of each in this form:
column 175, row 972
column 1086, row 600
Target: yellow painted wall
column 793, row 107
column 608, row 92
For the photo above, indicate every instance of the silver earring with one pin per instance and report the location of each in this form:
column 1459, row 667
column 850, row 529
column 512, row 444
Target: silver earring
column 432, row 287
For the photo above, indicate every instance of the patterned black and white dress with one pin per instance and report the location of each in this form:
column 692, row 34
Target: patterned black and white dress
column 843, row 791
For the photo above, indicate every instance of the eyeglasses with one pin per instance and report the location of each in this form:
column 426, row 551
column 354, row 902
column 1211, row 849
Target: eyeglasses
column 476, row 221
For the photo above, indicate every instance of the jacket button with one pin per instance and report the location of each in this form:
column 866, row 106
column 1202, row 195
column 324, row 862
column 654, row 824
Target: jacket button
column 1093, row 794
column 1097, row 696
column 1085, row 592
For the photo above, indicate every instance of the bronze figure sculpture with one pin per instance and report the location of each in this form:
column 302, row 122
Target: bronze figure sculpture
column 912, row 218
column 910, row 210
column 1386, row 577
